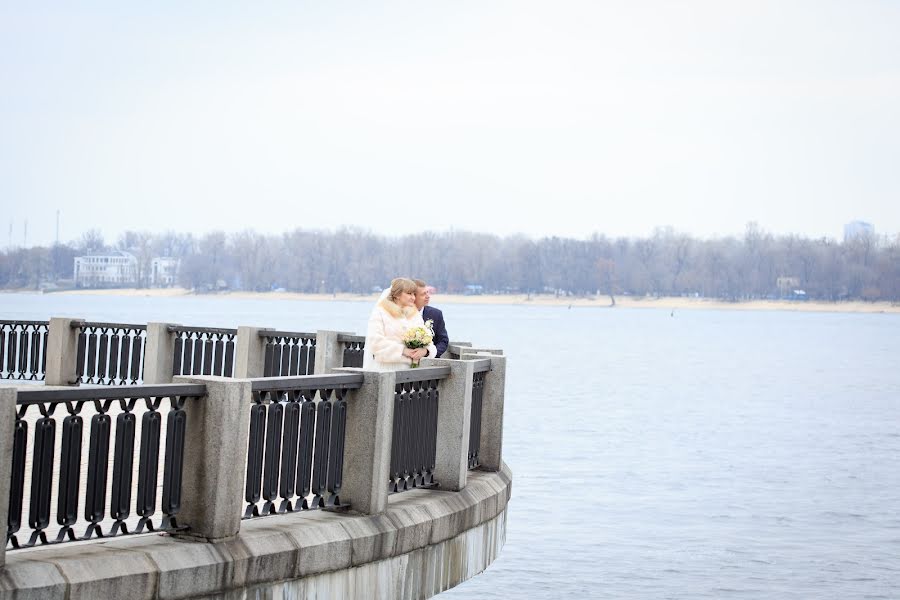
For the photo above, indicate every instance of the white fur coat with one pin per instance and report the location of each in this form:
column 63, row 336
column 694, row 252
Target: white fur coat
column 384, row 336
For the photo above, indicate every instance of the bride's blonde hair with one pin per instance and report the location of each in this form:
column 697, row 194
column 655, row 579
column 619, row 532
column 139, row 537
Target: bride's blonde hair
column 401, row 285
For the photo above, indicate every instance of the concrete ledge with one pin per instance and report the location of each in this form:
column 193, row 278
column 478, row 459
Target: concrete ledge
column 425, row 542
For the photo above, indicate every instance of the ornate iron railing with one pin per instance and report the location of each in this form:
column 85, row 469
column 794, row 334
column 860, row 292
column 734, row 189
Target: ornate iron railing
column 83, row 463
column 203, row 351
column 414, row 443
column 288, row 354
column 353, row 349
column 295, row 456
column 23, row 349
column 481, row 369
column 110, row 353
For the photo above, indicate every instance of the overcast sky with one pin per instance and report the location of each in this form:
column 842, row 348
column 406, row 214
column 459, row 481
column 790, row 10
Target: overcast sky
column 545, row 118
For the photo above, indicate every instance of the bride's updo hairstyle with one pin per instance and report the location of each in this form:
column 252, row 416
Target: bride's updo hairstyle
column 402, row 285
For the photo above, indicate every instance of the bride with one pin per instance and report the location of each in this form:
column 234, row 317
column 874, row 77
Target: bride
column 394, row 314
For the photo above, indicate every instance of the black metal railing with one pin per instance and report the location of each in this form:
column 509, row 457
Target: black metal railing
column 288, row 354
column 80, row 463
column 295, row 456
column 414, row 442
column 110, row 353
column 353, row 349
column 481, row 369
column 203, row 351
column 23, row 349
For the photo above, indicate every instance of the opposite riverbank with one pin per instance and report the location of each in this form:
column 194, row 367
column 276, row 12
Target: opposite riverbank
column 669, row 303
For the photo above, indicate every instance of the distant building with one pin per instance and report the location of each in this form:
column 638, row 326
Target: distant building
column 787, row 285
column 113, row 269
column 856, row 229
column 164, row 271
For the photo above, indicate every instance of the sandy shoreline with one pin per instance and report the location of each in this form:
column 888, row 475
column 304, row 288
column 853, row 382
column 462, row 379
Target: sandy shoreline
column 537, row 300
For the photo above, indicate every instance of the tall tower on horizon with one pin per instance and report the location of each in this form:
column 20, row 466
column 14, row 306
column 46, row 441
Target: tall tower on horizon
column 855, row 229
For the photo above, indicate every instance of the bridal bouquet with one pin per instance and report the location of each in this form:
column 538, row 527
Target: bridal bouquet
column 418, row 337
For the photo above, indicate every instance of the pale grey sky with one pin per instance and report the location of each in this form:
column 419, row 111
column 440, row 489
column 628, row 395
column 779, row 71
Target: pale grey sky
column 545, row 118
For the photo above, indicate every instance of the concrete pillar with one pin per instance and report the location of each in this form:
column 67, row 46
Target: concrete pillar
column 159, row 354
column 329, row 352
column 250, row 353
column 454, row 416
column 215, row 458
column 491, row 449
column 367, row 450
column 62, row 352
column 7, row 425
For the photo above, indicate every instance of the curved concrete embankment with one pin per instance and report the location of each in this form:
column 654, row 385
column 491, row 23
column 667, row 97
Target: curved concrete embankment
column 426, row 541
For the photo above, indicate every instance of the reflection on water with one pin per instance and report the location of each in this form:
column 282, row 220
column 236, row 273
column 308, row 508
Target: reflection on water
column 708, row 454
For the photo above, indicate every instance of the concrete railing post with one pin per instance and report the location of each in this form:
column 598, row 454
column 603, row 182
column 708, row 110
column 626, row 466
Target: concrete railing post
column 329, row 352
column 490, row 455
column 367, row 450
column 215, row 457
column 451, row 465
column 159, row 354
column 62, row 352
column 7, row 425
column 250, row 353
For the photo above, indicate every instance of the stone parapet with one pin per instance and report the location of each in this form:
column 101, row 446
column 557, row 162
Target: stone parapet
column 426, row 541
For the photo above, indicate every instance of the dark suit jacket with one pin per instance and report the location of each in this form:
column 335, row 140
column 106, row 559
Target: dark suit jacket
column 441, row 339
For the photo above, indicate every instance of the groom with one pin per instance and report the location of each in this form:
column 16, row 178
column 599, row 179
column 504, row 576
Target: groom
column 423, row 296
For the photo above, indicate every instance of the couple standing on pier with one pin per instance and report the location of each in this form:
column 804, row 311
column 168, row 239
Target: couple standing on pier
column 403, row 329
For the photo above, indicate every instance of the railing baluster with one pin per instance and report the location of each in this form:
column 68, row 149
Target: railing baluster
column 177, row 365
column 207, row 346
column 69, row 476
column 286, row 358
column 311, row 358
column 98, row 464
column 320, row 458
column 304, row 462
column 255, row 455
column 219, row 357
column 92, row 358
column 287, row 487
column 302, row 362
column 2, row 351
column 176, row 423
column 35, row 354
column 41, row 478
column 269, row 361
column 273, row 454
column 114, row 358
column 191, row 356
column 228, row 368
column 277, row 352
column 336, row 452
column 81, row 355
column 148, row 467
column 102, row 355
column 120, row 500
column 17, row 483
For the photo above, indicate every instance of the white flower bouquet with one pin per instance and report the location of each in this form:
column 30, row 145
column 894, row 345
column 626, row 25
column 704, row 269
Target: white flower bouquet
column 418, row 337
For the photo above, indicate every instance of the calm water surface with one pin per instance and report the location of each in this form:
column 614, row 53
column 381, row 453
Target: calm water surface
column 700, row 454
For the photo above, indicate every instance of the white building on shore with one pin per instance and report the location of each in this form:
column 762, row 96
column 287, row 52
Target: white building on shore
column 164, row 271
column 112, row 269
column 117, row 268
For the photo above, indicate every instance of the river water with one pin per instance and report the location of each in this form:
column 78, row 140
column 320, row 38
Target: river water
column 657, row 454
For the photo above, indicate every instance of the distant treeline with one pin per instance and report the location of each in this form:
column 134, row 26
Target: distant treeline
column 668, row 263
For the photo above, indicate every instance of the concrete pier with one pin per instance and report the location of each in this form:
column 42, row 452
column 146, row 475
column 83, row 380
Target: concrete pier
column 425, row 542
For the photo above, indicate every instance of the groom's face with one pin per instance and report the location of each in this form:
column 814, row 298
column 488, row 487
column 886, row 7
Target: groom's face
column 423, row 295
